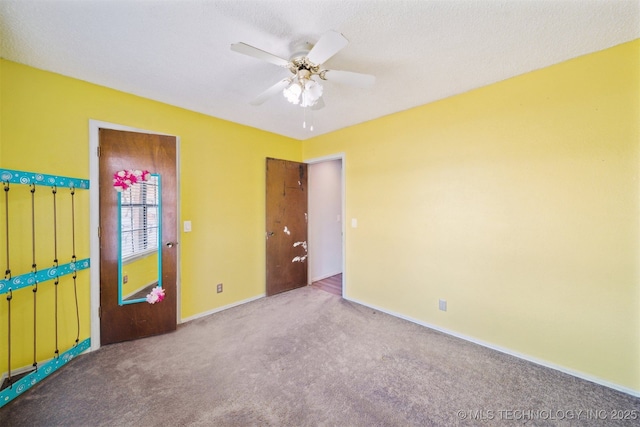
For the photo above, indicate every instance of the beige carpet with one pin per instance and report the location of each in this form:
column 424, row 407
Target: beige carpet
column 309, row 358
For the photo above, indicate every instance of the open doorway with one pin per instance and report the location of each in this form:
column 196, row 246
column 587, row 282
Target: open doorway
column 326, row 224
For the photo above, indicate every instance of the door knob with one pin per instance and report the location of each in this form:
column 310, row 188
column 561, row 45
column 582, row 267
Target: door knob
column 170, row 244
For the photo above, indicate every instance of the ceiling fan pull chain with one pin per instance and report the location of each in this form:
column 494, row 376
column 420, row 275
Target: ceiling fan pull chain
column 304, row 119
column 311, row 120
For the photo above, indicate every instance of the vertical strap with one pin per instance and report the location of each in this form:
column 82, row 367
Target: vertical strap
column 75, row 292
column 7, row 272
column 34, row 268
column 57, row 351
column 9, row 298
column 73, row 259
column 73, row 223
column 35, row 327
column 54, row 191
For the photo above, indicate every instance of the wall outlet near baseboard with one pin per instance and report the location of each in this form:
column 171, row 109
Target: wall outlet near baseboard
column 442, row 304
column 219, row 288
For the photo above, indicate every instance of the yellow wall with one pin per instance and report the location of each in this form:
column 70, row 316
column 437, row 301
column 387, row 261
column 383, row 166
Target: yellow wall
column 518, row 204
column 45, row 128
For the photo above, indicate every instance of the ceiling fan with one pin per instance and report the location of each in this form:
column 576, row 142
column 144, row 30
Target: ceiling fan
column 306, row 65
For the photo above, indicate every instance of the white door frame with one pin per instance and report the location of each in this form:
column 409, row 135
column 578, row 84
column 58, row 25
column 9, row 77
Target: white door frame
column 94, row 219
column 341, row 157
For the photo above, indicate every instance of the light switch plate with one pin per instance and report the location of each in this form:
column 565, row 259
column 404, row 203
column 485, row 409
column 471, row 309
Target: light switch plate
column 354, row 223
column 187, row 226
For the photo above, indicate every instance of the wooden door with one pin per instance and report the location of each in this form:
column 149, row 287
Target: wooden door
column 156, row 153
column 286, row 225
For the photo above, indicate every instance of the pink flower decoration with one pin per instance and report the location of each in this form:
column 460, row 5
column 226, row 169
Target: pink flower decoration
column 156, row 295
column 126, row 178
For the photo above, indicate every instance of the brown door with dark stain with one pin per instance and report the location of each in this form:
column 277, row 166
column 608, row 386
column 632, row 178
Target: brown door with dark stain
column 286, row 234
column 156, row 153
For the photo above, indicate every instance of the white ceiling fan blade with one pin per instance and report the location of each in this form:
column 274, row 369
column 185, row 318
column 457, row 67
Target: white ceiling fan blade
column 278, row 87
column 328, row 45
column 349, row 78
column 260, row 54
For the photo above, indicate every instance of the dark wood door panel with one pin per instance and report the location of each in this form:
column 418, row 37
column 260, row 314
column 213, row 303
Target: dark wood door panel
column 156, row 153
column 286, row 225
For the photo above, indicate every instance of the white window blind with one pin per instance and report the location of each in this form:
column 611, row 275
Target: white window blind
column 139, row 219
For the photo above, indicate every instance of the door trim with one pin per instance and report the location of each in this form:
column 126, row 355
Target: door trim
column 338, row 156
column 94, row 220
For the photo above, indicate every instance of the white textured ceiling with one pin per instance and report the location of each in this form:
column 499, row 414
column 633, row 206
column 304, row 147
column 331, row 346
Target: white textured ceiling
column 178, row 51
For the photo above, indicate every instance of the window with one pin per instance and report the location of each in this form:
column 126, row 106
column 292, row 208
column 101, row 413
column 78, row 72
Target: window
column 139, row 219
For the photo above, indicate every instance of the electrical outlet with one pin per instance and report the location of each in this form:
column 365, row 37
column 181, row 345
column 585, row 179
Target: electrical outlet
column 442, row 304
column 125, row 279
column 219, row 288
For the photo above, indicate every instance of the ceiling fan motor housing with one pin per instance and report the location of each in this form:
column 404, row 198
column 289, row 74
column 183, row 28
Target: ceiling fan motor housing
column 300, row 50
column 300, row 65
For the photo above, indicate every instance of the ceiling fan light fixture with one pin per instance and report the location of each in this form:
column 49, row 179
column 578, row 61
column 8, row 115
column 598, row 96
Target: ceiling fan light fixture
column 303, row 92
column 311, row 93
column 292, row 93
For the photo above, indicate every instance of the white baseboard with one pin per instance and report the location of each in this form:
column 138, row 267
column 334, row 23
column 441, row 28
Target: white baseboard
column 216, row 310
column 28, row 368
column 577, row 374
column 18, row 371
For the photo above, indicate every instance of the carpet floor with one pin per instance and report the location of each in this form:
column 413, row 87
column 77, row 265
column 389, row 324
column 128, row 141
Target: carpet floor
column 310, row 358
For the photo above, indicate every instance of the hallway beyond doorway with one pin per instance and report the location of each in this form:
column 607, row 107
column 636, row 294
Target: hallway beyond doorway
column 331, row 284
